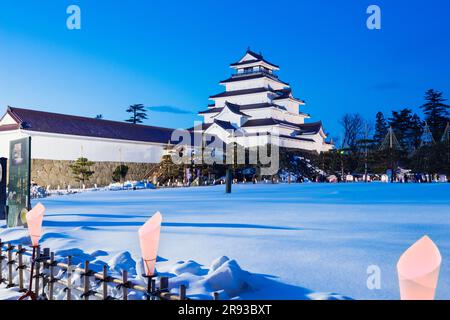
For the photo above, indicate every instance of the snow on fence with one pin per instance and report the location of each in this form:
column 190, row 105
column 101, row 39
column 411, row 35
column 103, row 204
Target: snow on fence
column 54, row 279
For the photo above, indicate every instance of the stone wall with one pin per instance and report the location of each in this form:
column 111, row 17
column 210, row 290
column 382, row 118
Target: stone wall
column 58, row 173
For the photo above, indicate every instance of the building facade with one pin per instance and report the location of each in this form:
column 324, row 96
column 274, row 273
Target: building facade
column 256, row 105
column 58, row 140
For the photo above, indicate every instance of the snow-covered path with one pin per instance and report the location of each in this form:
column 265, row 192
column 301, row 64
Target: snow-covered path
column 316, row 236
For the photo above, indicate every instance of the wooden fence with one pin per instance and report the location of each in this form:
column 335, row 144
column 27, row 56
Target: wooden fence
column 17, row 260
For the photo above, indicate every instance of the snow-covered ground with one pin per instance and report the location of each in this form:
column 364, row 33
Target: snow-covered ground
column 298, row 241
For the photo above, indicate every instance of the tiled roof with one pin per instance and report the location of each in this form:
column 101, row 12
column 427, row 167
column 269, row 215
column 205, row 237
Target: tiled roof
column 245, row 107
column 48, row 122
column 201, row 127
column 257, row 58
column 296, row 138
column 310, row 128
column 224, row 124
column 241, row 92
column 268, row 122
column 306, row 128
column 235, row 109
column 243, row 77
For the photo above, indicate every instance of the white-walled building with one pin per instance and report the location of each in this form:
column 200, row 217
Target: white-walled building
column 66, row 137
column 256, row 105
column 58, row 139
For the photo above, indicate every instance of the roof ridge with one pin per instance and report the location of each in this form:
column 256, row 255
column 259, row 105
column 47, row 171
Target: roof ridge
column 87, row 118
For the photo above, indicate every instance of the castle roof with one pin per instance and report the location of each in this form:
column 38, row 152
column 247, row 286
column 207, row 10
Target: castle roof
column 305, row 128
column 253, row 58
column 247, row 107
column 241, row 92
column 252, row 76
column 40, row 121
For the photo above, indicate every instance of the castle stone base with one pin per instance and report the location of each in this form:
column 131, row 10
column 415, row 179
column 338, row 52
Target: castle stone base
column 56, row 173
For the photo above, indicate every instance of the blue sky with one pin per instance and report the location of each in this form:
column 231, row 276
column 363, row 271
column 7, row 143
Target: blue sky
column 172, row 54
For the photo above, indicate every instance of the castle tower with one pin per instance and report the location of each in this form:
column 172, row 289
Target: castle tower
column 256, row 102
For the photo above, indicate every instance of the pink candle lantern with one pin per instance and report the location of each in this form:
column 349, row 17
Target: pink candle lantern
column 149, row 241
column 418, row 270
column 34, row 221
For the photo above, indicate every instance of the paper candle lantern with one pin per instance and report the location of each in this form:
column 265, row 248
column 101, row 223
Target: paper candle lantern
column 34, row 222
column 418, row 270
column 149, row 241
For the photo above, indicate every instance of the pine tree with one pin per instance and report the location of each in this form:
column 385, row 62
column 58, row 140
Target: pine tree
column 408, row 129
column 436, row 112
column 381, row 128
column 168, row 170
column 445, row 142
column 120, row 173
column 81, row 169
column 415, row 131
column 99, row 117
column 138, row 113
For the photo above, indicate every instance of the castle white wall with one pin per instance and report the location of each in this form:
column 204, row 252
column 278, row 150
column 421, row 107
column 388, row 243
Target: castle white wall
column 243, row 99
column 65, row 147
column 254, row 83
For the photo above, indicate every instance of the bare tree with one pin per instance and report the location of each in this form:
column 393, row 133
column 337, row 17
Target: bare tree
column 354, row 128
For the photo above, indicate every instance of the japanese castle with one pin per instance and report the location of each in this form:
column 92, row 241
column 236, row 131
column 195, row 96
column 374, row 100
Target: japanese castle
column 256, row 105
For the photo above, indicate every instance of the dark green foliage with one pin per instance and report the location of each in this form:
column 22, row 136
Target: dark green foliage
column 407, row 128
column 81, row 169
column 420, row 145
column 436, row 112
column 381, row 128
column 138, row 113
column 120, row 173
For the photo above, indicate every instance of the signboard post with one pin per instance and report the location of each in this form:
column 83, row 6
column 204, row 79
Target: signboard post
column 3, row 165
column 19, row 181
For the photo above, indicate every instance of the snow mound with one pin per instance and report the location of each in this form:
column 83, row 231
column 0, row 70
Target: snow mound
column 230, row 278
column 123, row 261
column 190, row 266
column 78, row 255
column 217, row 263
column 99, row 253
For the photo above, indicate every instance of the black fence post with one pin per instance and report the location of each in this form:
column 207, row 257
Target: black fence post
column 3, row 165
column 153, row 288
column 10, row 266
column 182, row 292
column 69, row 278
column 86, row 280
column 52, row 276
column 124, row 285
column 21, row 267
column 105, row 283
column 37, row 276
column 228, row 180
column 1, row 262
